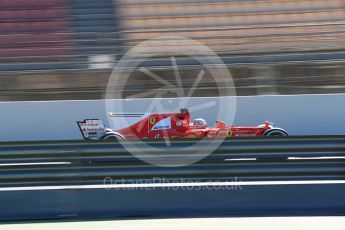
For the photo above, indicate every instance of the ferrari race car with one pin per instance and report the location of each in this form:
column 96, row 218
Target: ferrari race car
column 168, row 125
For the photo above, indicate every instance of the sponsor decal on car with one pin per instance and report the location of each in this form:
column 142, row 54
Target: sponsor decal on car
column 162, row 124
column 244, row 134
column 152, row 120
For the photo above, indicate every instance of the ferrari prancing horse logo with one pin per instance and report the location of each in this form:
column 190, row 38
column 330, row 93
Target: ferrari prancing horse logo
column 229, row 133
column 152, row 120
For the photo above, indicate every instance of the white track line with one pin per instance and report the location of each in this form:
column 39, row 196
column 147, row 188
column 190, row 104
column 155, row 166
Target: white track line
column 241, row 159
column 243, row 223
column 314, row 158
column 208, row 185
column 37, row 163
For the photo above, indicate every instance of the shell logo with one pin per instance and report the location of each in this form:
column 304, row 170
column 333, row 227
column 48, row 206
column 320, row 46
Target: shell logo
column 152, row 120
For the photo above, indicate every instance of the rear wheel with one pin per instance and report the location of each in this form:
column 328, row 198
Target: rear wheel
column 113, row 136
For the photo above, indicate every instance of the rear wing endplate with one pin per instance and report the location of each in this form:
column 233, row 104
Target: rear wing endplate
column 93, row 129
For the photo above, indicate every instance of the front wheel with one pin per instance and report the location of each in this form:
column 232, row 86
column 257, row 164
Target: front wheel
column 275, row 132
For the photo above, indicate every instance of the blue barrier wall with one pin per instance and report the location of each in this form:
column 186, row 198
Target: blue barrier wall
column 56, row 120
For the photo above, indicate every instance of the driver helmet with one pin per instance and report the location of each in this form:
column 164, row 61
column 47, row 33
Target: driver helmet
column 199, row 122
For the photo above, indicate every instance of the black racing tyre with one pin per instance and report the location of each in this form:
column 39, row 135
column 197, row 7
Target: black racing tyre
column 276, row 133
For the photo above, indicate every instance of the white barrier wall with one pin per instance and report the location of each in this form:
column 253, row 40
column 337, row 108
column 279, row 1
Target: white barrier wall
column 56, row 120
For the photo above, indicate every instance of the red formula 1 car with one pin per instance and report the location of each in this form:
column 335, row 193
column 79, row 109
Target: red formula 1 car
column 169, row 125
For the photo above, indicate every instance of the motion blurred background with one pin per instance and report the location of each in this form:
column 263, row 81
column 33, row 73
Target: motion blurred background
column 66, row 49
